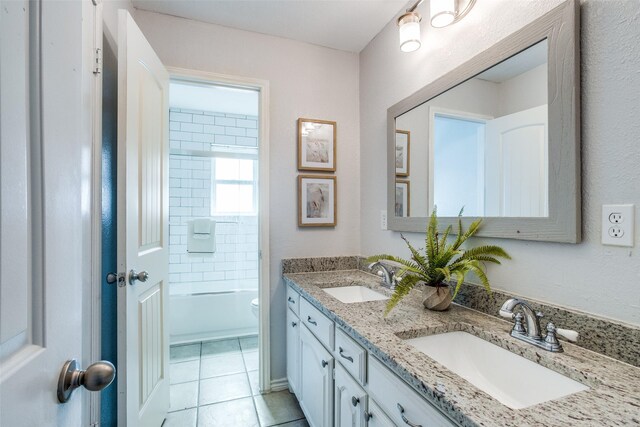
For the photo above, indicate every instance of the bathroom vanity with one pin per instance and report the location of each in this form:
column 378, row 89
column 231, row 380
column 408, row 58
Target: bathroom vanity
column 349, row 366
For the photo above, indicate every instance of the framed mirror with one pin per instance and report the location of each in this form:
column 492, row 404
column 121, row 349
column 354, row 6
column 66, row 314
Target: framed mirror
column 498, row 138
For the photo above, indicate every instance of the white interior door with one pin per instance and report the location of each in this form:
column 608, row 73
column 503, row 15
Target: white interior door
column 516, row 164
column 43, row 209
column 143, row 230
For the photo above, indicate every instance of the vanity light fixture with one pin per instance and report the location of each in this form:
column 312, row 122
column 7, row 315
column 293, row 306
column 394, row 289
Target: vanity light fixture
column 409, row 28
column 442, row 12
column 446, row 12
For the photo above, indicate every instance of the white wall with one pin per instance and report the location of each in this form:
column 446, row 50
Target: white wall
column 524, row 91
column 588, row 276
column 305, row 81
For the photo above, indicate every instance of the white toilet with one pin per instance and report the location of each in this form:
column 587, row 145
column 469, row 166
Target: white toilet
column 254, row 306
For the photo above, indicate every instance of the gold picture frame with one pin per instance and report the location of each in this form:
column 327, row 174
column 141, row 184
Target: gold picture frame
column 403, row 152
column 403, row 192
column 317, row 145
column 317, row 201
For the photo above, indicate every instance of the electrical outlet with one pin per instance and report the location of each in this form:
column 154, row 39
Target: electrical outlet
column 615, row 218
column 383, row 220
column 616, row 232
column 618, row 225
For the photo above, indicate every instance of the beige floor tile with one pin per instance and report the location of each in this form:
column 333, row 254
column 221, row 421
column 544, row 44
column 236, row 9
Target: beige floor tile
column 277, row 408
column 228, row 387
column 254, row 382
column 226, row 364
column 183, row 353
column 220, row 347
column 183, row 396
column 234, row 413
column 297, row 423
column 181, row 418
column 183, row 372
column 249, row 343
column 250, row 360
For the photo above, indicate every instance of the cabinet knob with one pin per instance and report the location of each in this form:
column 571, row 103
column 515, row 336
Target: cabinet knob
column 354, row 401
column 324, row 363
column 294, row 324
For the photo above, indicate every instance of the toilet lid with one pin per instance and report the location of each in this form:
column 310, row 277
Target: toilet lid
column 254, row 302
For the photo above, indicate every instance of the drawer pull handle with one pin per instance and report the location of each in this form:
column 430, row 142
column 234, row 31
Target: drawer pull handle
column 349, row 358
column 354, row 401
column 291, row 300
column 368, row 416
column 406, row 421
column 294, row 324
column 324, row 363
column 310, row 320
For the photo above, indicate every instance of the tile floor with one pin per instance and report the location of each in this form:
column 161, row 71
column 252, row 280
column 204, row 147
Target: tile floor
column 215, row 383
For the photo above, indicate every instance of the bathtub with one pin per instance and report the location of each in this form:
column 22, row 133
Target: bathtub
column 202, row 316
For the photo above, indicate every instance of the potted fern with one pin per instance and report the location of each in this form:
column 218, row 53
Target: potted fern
column 440, row 262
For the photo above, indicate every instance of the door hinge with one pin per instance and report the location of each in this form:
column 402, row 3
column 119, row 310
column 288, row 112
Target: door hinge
column 97, row 66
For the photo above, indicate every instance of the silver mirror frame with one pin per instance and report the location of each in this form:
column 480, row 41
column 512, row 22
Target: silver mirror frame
column 561, row 27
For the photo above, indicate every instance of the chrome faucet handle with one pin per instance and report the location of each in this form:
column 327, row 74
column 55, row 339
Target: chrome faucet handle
column 518, row 326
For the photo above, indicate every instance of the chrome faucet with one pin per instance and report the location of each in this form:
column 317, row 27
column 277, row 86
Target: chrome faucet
column 531, row 333
column 387, row 274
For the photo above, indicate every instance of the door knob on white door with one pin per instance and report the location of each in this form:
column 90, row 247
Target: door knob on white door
column 135, row 276
column 95, row 378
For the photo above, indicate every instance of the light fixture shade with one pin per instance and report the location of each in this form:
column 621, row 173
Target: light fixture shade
column 409, row 29
column 443, row 12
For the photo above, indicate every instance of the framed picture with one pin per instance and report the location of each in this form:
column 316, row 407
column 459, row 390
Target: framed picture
column 403, row 198
column 316, row 201
column 316, row 145
column 403, row 152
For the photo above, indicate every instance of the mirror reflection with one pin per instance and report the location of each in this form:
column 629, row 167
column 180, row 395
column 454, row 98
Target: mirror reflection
column 482, row 145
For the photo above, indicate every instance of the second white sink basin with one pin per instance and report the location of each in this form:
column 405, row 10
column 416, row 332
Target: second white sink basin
column 350, row 294
column 511, row 379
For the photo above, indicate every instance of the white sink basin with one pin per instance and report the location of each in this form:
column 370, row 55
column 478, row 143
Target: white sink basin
column 511, row 379
column 350, row 294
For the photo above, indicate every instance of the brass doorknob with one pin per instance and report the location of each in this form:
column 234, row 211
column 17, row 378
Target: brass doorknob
column 95, row 378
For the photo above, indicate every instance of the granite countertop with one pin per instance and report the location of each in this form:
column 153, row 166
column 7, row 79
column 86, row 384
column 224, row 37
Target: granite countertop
column 613, row 398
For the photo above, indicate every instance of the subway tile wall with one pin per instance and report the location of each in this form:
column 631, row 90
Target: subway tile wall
column 234, row 265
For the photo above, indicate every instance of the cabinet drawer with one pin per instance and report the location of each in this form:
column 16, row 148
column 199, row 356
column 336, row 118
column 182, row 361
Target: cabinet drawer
column 399, row 401
column 376, row 416
column 293, row 300
column 318, row 323
column 351, row 356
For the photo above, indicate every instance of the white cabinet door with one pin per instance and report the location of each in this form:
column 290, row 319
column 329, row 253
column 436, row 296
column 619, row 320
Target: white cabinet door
column 376, row 416
column 143, row 230
column 316, row 380
column 350, row 400
column 293, row 351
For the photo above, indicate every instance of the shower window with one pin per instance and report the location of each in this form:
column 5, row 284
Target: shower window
column 234, row 189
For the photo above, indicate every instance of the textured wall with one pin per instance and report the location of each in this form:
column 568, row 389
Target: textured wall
column 598, row 279
column 304, row 81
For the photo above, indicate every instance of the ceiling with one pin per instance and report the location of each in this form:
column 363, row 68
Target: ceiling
column 340, row 24
column 524, row 61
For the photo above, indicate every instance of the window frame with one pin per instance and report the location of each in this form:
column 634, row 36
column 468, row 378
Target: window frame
column 254, row 182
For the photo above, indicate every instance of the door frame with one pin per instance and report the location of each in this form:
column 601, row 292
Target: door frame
column 92, row 333
column 262, row 86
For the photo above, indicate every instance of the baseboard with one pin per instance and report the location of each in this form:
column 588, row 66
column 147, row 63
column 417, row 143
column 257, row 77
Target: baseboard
column 279, row 384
